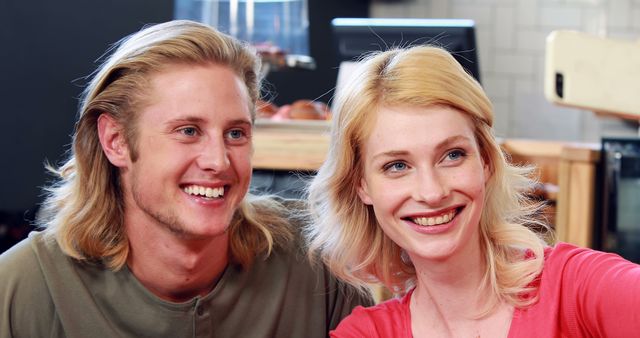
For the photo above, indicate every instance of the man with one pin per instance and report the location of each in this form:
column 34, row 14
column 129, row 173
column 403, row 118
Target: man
column 150, row 230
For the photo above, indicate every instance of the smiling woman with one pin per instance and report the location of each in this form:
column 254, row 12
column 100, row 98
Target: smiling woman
column 427, row 191
column 417, row 194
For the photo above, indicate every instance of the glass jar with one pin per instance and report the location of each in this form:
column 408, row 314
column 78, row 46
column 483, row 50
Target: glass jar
column 281, row 26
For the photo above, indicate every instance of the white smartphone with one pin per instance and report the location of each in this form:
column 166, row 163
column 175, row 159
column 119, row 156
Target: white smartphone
column 593, row 73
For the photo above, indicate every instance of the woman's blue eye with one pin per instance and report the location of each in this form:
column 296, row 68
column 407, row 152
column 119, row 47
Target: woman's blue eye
column 455, row 155
column 396, row 166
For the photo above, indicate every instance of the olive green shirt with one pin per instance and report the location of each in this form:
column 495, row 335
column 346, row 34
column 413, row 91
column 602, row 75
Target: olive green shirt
column 44, row 293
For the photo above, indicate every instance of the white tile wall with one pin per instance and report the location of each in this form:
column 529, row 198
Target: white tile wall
column 438, row 6
column 590, row 3
column 619, row 13
column 527, row 11
column 511, row 38
column 635, row 18
column 497, row 87
column 481, row 14
column 560, row 16
column 418, row 9
column 502, row 115
column 513, row 63
column 594, row 20
column 504, row 34
column 484, row 43
column 388, row 10
column 460, row 1
column 532, row 40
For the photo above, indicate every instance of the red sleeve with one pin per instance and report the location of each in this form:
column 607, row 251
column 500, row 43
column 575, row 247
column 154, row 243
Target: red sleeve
column 391, row 318
column 357, row 324
column 602, row 290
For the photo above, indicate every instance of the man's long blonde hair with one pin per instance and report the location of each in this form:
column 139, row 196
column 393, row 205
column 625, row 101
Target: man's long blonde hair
column 84, row 210
column 343, row 231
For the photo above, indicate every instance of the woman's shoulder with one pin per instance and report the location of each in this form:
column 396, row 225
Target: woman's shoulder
column 570, row 271
column 390, row 318
column 568, row 255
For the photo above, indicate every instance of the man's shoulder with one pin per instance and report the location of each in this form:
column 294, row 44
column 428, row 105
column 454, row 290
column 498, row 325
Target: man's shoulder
column 23, row 266
column 24, row 293
column 22, row 257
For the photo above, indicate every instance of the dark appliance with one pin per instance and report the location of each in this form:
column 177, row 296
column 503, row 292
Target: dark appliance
column 620, row 228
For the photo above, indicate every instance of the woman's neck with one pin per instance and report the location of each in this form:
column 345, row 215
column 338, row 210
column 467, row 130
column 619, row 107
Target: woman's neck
column 450, row 298
column 454, row 282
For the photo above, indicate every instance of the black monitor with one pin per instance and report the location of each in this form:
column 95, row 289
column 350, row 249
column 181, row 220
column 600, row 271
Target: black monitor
column 356, row 36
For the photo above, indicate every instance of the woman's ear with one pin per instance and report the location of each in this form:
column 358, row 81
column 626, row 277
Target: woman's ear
column 113, row 141
column 487, row 170
column 363, row 192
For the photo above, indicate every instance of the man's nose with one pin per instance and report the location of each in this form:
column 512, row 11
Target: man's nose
column 213, row 155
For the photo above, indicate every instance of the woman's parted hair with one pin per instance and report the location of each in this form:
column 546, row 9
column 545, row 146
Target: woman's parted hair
column 84, row 209
column 343, row 231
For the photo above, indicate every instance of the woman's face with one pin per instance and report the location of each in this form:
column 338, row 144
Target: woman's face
column 425, row 178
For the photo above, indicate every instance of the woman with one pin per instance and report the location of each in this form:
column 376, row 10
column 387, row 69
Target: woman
column 416, row 193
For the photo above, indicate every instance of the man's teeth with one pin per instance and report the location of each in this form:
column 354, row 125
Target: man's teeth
column 197, row 190
column 437, row 220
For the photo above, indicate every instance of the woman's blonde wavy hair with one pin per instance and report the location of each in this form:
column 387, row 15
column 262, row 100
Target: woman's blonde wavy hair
column 343, row 231
column 84, row 209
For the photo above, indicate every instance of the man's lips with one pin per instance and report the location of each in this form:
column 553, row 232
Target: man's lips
column 202, row 191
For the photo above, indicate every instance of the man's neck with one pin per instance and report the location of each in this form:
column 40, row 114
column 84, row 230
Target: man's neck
column 175, row 268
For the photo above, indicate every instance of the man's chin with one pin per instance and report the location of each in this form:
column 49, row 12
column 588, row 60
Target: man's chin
column 198, row 233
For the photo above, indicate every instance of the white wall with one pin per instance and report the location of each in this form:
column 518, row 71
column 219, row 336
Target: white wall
column 511, row 41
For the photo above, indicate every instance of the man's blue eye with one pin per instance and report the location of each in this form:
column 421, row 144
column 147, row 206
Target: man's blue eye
column 235, row 134
column 399, row 166
column 189, row 131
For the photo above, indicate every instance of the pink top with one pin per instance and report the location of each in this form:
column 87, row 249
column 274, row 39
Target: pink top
column 582, row 293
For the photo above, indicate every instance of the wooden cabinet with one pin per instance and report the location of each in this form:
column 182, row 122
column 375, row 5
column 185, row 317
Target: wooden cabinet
column 577, row 192
column 568, row 173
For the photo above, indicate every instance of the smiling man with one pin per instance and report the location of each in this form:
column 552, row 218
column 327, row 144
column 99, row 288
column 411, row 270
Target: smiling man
column 150, row 230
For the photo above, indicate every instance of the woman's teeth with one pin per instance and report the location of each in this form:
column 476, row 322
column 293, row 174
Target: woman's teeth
column 437, row 220
column 197, row 190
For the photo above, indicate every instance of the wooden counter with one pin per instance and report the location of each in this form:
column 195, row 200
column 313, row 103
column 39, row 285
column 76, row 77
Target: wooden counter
column 296, row 145
column 567, row 170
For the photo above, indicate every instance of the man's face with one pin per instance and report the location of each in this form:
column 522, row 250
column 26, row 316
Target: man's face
column 194, row 152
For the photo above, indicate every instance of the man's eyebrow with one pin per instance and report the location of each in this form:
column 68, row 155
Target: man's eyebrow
column 197, row 120
column 185, row 119
column 240, row 121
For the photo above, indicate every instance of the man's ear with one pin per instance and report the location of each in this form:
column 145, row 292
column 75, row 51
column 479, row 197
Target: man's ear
column 113, row 141
column 363, row 192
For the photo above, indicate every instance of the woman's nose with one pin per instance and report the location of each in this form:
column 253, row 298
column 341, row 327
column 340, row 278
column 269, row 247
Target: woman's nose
column 431, row 187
